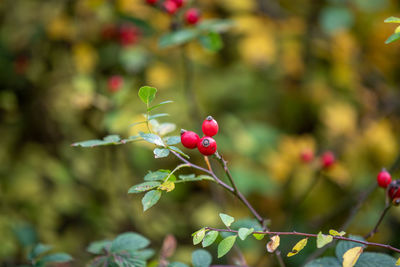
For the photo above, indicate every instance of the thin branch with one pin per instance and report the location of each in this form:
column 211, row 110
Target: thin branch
column 373, row 231
column 366, row 243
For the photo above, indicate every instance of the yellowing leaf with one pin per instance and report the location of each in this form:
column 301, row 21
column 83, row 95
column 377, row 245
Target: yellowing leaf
column 198, row 236
column 273, row 244
column 322, row 239
column 351, row 256
column 398, row 262
column 167, row 186
column 298, row 247
column 336, row 233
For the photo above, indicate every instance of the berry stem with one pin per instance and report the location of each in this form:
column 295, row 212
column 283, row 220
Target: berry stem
column 375, row 230
column 366, row 243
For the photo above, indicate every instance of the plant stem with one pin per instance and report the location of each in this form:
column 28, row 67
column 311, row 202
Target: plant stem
column 366, row 243
column 373, row 231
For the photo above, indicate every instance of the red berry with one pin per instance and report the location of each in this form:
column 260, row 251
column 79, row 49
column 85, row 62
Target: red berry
column 394, row 189
column 115, row 83
column 170, row 6
column 189, row 139
column 327, row 159
column 210, row 126
column 151, row 2
column 192, row 16
column 207, row 146
column 307, row 155
column 178, row 3
column 384, row 178
column 128, row 34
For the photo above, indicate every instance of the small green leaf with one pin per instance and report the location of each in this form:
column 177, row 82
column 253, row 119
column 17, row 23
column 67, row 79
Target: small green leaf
column 159, row 115
column 193, row 178
column 245, row 232
column 392, row 20
column 177, row 37
column 259, row 236
column 161, row 152
column 172, row 140
column 201, row 258
column 323, row 240
column 143, row 187
column 150, row 199
column 325, row 261
column 129, row 242
column 108, row 140
column 156, row 176
column 175, row 149
column 215, row 25
column 374, row 259
column 130, row 139
column 159, row 105
column 37, row 250
column 177, row 264
column 56, row 257
column 147, row 94
column 226, row 219
column 99, row 247
column 211, row 41
column 198, row 236
column 152, row 138
column 209, row 238
column 225, row 245
column 392, row 38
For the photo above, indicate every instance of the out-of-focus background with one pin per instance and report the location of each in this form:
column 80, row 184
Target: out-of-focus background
column 292, row 75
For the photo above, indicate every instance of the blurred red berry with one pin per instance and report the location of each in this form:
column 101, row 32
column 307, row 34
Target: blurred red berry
column 307, row 155
column 128, row 34
column 189, row 139
column 192, row 16
column 384, row 178
column 151, row 2
column 327, row 159
column 210, row 126
column 394, row 189
column 170, row 6
column 115, row 83
column 207, row 146
column 21, row 64
column 178, row 3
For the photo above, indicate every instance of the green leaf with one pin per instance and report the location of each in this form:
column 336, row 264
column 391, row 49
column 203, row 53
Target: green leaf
column 392, row 38
column 225, row 245
column 108, row 140
column 130, row 139
column 201, row 258
column 37, row 250
column 324, row 262
column 144, row 254
column 143, row 187
column 392, row 20
column 159, row 105
column 172, row 140
column 215, row 25
column 150, row 199
column 209, row 238
column 156, row 176
column 161, row 152
column 177, row 264
column 259, row 236
column 198, row 236
column 245, row 232
column 322, row 239
column 344, row 246
column 129, row 242
column 211, row 41
column 99, row 247
column 147, row 94
column 177, row 38
column 374, row 259
column 152, row 138
column 226, row 219
column 193, row 178
column 159, row 115
column 56, row 257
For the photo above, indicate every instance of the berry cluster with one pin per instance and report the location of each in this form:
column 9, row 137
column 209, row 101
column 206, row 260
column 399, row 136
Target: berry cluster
column 206, row 145
column 191, row 16
column 327, row 158
column 384, row 180
column 126, row 34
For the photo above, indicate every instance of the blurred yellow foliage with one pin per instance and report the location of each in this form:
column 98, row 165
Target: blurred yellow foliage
column 61, row 28
column 340, row 119
column 85, row 57
column 159, row 75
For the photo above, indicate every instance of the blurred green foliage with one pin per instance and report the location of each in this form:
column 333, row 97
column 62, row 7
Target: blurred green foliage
column 290, row 75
